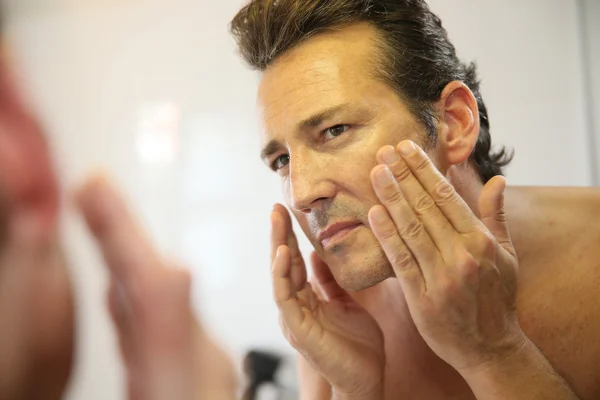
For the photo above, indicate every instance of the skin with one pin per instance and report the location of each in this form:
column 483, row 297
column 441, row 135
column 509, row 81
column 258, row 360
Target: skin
column 517, row 329
column 36, row 300
column 167, row 354
column 302, row 85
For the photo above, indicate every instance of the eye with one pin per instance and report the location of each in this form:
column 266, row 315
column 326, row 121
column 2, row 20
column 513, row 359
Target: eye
column 335, row 131
column 280, row 162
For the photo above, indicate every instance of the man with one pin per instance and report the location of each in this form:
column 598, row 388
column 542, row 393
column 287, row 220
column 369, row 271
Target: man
column 166, row 353
column 351, row 91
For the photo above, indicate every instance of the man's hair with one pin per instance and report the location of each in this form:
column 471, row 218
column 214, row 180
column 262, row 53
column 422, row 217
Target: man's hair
column 415, row 55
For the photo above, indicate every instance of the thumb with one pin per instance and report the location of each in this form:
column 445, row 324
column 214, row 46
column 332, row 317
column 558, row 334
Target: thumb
column 492, row 213
column 325, row 280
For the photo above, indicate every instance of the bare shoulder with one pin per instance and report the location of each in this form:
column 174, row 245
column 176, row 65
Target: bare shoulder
column 544, row 218
column 557, row 234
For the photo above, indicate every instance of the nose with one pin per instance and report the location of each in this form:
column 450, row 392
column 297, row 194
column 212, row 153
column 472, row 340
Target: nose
column 309, row 185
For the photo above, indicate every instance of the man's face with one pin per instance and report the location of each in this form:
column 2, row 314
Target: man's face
column 325, row 117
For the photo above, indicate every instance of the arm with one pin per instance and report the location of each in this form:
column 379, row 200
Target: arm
column 524, row 375
column 458, row 272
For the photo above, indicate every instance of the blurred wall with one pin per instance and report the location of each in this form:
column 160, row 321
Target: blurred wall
column 152, row 92
column 590, row 14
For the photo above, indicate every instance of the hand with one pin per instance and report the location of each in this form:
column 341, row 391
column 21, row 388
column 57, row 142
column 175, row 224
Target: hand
column 458, row 272
column 339, row 338
column 166, row 353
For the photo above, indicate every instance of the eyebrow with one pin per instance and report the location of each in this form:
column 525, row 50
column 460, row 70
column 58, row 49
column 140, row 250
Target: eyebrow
column 270, row 149
column 306, row 124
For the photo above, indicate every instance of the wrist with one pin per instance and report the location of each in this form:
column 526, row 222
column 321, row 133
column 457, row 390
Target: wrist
column 374, row 393
column 494, row 374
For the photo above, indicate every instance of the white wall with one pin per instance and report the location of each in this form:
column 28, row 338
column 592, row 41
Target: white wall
column 591, row 33
column 98, row 68
column 529, row 56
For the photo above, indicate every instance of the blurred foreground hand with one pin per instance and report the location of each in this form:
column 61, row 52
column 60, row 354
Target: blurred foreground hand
column 166, row 352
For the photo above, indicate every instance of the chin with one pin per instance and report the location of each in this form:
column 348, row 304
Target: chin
column 360, row 265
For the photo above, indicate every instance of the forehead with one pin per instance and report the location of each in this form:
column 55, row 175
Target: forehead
column 325, row 71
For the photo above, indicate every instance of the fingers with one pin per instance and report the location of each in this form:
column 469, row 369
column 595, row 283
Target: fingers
column 278, row 230
column 325, row 282
column 405, row 266
column 285, row 290
column 425, row 208
column 126, row 250
column 492, row 214
column 441, row 191
column 282, row 233
column 410, row 229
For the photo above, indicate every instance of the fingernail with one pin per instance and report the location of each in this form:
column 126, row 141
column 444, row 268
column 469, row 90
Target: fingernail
column 389, row 155
column 384, row 176
column 407, row 148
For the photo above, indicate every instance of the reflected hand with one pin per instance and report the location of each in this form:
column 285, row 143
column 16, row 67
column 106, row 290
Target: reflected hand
column 166, row 352
column 339, row 338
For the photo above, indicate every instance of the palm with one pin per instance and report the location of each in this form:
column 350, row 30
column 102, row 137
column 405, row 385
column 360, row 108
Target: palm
column 349, row 341
column 337, row 336
column 320, row 319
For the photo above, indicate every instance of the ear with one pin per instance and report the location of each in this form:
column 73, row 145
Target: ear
column 458, row 127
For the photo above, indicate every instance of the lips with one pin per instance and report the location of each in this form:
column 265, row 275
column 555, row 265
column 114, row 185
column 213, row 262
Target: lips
column 334, row 233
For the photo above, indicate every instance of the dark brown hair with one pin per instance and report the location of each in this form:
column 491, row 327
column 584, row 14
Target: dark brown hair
column 416, row 57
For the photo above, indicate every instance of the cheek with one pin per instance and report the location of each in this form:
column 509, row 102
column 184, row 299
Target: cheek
column 355, row 170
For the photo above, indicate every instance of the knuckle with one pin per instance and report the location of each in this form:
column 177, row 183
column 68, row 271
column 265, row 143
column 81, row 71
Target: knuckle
column 402, row 172
column 422, row 164
column 387, row 233
column 393, row 196
column 444, row 191
column 501, row 216
column 401, row 258
column 424, row 204
column 412, row 229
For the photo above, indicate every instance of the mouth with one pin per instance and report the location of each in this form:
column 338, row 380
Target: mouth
column 337, row 232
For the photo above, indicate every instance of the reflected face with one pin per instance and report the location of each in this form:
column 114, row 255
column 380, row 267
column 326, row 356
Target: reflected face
column 36, row 303
column 325, row 117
